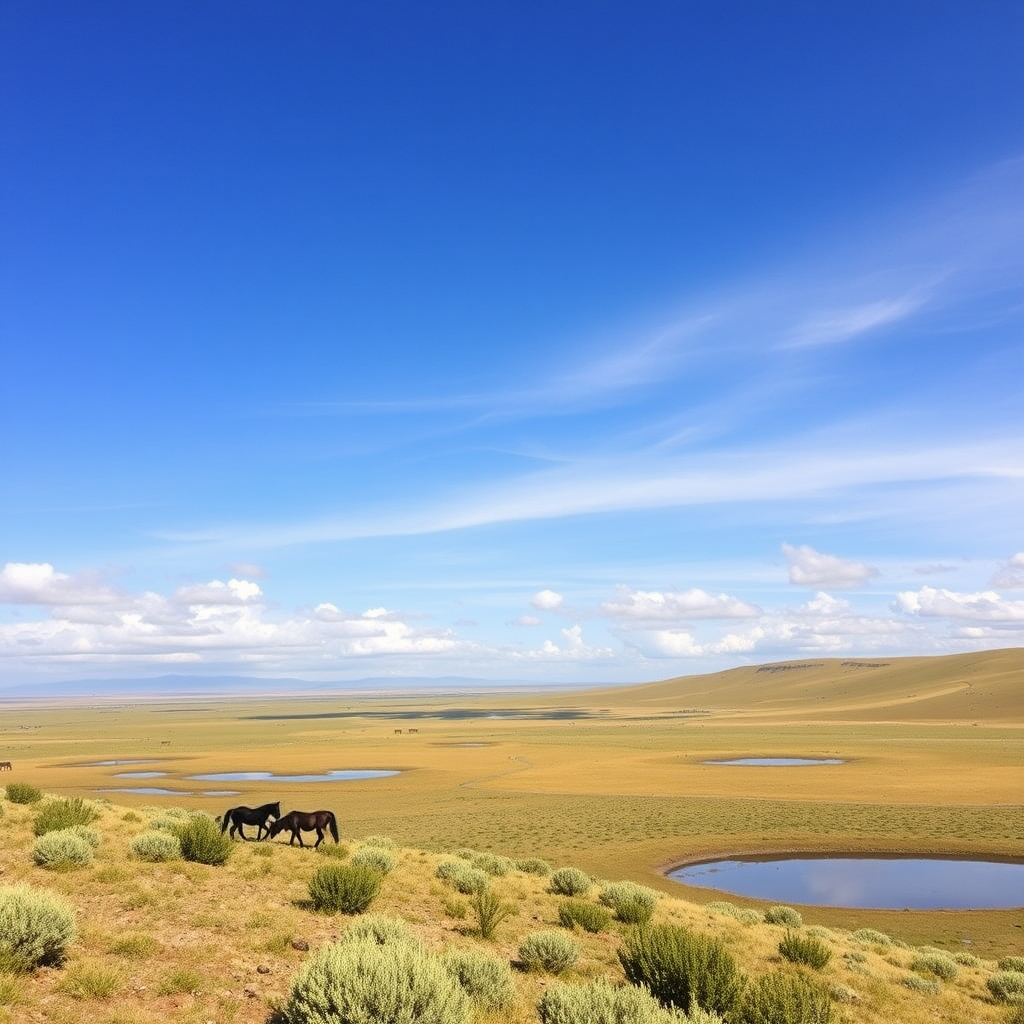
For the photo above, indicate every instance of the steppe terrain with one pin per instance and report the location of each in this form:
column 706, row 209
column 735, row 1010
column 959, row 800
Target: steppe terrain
column 612, row 781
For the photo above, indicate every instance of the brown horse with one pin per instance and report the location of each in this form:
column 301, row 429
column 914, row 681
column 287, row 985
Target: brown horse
column 305, row 821
column 237, row 817
column 5, row 766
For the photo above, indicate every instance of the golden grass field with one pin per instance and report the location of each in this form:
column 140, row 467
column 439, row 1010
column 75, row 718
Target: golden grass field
column 934, row 749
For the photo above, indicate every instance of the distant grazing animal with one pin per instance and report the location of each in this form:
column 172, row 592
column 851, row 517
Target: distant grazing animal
column 236, row 817
column 5, row 766
column 305, row 821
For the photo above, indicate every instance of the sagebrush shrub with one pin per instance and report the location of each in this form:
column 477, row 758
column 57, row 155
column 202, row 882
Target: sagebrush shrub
column 23, row 793
column 872, row 937
column 202, row 841
column 534, row 866
column 90, row 835
column 156, row 846
column 548, row 950
column 589, row 916
column 376, row 858
column 789, row 998
column 380, row 929
column 486, row 979
column 1007, row 986
column 360, row 982
column 632, row 903
column 36, row 928
column 805, row 949
column 942, row 965
column 918, row 983
column 384, row 842
column 63, row 813
column 783, row 915
column 61, row 849
column 493, row 864
column 338, row 851
column 683, row 968
column 461, row 876
column 570, row 882
column 1011, row 963
column 600, row 1002
column 966, row 959
column 343, row 888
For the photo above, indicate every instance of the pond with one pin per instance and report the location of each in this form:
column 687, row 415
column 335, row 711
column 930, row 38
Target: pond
column 155, row 791
column 879, row 883
column 778, row 762
column 341, row 775
column 139, row 775
column 107, row 764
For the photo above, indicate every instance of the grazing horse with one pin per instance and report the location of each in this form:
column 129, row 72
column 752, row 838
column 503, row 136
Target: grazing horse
column 5, row 766
column 236, row 817
column 305, row 821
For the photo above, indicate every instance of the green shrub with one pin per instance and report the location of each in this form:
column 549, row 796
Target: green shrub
column 966, row 959
column 820, row 932
column 343, row 888
column 362, row 982
column 337, row 851
column 36, row 928
column 1007, row 986
column 1011, row 963
column 549, row 951
column 927, row 986
column 570, row 882
column 131, row 816
column 166, row 822
column 62, row 849
column 90, row 835
column 600, row 1002
column 805, row 949
column 589, row 916
column 788, row 998
column 683, row 968
column 783, row 915
column 872, row 937
column 66, row 812
column 745, row 915
column 493, row 864
column 376, row 858
column 486, row 979
column 156, row 846
column 23, row 793
column 202, row 841
column 632, row 903
column 942, row 965
column 384, row 842
column 380, row 929
column 534, row 866
column 462, row 876
column 490, row 911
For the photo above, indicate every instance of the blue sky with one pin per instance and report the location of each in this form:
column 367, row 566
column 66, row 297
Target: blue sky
column 561, row 342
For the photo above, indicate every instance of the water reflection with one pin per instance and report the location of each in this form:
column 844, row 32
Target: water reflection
column 882, row 883
column 779, row 762
column 332, row 776
column 139, row 775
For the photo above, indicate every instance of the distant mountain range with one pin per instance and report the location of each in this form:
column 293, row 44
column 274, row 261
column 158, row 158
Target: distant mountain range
column 220, row 686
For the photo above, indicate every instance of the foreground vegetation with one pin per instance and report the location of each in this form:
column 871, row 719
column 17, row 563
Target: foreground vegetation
column 263, row 933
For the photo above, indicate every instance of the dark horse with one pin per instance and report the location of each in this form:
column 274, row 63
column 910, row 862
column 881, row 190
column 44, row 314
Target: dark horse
column 305, row 821
column 236, row 817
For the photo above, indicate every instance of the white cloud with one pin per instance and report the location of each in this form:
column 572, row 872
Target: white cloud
column 842, row 324
column 546, row 600
column 673, row 606
column 40, row 583
column 987, row 606
column 572, row 648
column 217, row 592
column 527, row 620
column 1010, row 575
column 810, row 568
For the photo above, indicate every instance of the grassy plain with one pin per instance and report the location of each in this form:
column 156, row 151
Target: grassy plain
column 612, row 781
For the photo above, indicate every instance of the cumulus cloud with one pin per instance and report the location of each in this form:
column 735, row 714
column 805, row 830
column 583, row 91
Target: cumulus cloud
column 572, row 647
column 1010, row 575
column 217, row 592
column 546, row 600
column 674, row 606
column 41, row 583
column 810, row 568
column 986, row 606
